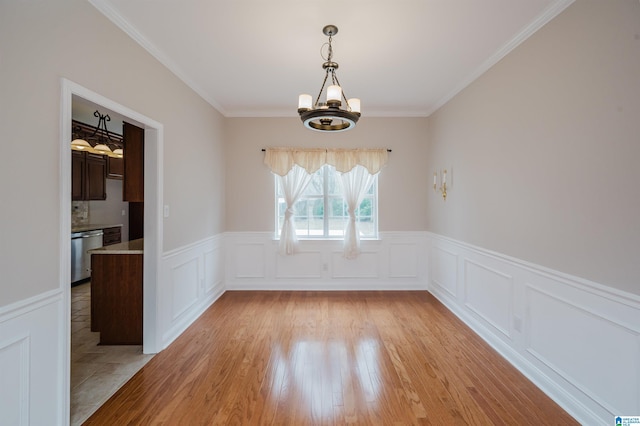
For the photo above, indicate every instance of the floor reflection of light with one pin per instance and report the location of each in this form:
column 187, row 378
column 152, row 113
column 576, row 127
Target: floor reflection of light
column 369, row 368
column 317, row 375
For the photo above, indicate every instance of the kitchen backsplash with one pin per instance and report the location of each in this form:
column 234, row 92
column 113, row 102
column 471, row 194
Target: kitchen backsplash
column 79, row 213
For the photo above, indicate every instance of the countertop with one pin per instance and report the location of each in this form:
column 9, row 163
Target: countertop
column 93, row 227
column 128, row 247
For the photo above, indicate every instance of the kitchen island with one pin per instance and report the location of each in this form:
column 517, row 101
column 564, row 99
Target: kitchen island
column 116, row 293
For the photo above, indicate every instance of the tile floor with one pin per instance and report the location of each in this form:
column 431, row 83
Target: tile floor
column 96, row 371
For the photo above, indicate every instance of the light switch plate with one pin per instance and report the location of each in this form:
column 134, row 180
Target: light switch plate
column 166, row 210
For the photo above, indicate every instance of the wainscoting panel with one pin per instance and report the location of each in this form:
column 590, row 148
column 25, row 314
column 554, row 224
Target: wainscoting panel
column 302, row 265
column 444, row 270
column 184, row 282
column 579, row 341
column 489, row 293
column 403, row 260
column 571, row 340
column 366, row 265
column 14, row 393
column 190, row 282
column 250, row 260
column 213, row 269
column 31, row 356
column 396, row 261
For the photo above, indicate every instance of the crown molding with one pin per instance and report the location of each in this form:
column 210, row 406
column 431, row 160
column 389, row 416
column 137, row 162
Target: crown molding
column 547, row 15
column 114, row 16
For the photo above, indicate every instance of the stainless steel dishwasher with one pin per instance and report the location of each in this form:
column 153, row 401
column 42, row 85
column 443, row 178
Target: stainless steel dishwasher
column 81, row 242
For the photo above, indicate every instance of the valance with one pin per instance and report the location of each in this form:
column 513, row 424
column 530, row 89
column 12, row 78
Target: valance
column 281, row 160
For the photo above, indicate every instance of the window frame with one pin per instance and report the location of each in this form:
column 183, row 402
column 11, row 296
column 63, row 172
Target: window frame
column 326, row 197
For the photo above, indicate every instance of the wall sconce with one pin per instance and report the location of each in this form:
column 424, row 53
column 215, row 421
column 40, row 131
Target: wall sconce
column 440, row 183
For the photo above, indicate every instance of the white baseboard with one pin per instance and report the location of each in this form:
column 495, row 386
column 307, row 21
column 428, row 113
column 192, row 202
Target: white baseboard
column 577, row 340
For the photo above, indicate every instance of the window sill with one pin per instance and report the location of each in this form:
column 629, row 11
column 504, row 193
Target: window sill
column 277, row 238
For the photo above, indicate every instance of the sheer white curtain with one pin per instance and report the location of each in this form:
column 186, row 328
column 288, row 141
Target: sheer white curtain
column 355, row 184
column 294, row 167
column 293, row 185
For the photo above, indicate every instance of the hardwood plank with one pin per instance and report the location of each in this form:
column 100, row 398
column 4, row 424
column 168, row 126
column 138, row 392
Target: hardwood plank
column 267, row 358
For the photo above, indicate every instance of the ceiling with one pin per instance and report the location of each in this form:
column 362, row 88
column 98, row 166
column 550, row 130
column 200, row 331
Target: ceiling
column 252, row 58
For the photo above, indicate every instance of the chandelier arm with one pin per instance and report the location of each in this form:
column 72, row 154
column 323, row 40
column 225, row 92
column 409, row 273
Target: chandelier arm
column 324, row 82
column 102, row 127
column 343, row 95
column 99, row 117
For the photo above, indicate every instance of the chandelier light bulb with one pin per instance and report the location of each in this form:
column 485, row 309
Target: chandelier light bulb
column 354, row 104
column 305, row 101
column 102, row 149
column 80, row 145
column 334, row 93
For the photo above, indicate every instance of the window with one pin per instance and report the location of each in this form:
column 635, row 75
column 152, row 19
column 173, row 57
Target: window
column 321, row 211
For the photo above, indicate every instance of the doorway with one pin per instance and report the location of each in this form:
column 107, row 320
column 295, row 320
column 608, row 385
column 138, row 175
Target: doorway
column 153, row 177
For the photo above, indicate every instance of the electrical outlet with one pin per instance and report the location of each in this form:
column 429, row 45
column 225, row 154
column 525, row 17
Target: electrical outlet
column 325, row 267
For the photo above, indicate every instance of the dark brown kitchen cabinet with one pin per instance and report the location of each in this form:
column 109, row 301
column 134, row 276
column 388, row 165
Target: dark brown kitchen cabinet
column 133, row 184
column 88, row 176
column 116, row 298
column 136, row 221
column 78, row 181
column 115, row 168
column 111, row 236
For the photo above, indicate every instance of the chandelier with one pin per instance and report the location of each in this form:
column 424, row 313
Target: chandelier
column 102, row 138
column 329, row 116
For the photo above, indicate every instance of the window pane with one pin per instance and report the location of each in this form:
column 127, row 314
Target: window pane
column 315, row 187
column 338, row 208
column 365, row 210
column 333, row 183
column 366, row 229
column 310, row 219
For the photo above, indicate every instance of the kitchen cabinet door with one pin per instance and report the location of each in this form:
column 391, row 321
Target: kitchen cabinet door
column 78, row 160
column 88, row 176
column 115, row 168
column 111, row 236
column 133, row 184
column 96, row 175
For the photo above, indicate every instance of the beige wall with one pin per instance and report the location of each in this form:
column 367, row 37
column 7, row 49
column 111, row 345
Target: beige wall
column 42, row 41
column 545, row 149
column 402, row 189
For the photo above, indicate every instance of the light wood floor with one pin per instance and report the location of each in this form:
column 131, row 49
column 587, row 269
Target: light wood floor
column 290, row 358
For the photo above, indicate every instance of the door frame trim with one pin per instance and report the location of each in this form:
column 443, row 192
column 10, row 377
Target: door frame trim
column 153, row 226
